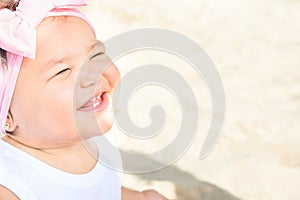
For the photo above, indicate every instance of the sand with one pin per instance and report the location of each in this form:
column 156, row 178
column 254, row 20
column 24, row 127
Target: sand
column 255, row 46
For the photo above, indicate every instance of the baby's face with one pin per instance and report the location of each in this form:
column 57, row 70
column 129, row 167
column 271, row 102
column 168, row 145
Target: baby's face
column 56, row 95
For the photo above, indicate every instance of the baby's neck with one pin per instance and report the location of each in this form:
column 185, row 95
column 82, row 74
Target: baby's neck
column 77, row 158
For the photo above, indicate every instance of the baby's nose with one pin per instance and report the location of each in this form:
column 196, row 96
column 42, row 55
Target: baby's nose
column 92, row 71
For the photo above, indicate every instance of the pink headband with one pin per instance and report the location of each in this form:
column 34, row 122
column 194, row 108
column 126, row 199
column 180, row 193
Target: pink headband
column 18, row 38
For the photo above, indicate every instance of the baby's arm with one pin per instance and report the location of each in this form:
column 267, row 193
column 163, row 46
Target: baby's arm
column 6, row 194
column 128, row 194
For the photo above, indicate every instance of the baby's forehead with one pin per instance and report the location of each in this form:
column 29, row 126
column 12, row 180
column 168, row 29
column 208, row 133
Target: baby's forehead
column 60, row 19
column 65, row 38
column 63, row 30
column 77, row 16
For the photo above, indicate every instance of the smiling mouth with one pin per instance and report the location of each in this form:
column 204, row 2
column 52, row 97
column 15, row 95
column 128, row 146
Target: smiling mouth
column 96, row 104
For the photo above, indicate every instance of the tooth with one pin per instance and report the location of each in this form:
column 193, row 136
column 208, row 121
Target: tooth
column 96, row 104
column 98, row 97
column 94, row 99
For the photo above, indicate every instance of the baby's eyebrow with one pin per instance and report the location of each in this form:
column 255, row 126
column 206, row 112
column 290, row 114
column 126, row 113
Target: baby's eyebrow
column 55, row 61
column 95, row 44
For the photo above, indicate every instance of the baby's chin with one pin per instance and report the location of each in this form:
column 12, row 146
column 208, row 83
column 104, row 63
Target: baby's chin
column 105, row 120
column 95, row 130
column 92, row 124
column 105, row 124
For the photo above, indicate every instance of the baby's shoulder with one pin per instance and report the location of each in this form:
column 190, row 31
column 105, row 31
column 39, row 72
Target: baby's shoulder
column 12, row 163
column 9, row 163
column 15, row 176
column 8, row 167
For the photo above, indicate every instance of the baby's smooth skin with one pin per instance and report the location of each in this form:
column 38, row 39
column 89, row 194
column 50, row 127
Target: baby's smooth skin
column 41, row 119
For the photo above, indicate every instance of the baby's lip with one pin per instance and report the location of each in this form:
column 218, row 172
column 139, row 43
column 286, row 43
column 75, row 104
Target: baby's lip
column 92, row 102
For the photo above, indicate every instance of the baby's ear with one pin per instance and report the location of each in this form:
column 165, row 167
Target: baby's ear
column 10, row 125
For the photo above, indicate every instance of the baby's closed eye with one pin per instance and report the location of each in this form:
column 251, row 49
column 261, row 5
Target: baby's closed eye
column 63, row 72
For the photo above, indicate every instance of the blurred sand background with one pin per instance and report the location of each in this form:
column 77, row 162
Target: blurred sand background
column 255, row 46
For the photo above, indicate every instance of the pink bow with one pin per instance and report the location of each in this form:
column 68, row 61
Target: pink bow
column 18, row 38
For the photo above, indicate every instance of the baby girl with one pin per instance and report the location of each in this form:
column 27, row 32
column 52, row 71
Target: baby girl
column 49, row 52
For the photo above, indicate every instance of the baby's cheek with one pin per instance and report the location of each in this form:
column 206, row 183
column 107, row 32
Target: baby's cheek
column 60, row 119
column 24, row 106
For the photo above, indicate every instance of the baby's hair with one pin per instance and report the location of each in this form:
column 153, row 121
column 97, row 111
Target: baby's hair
column 3, row 58
column 11, row 5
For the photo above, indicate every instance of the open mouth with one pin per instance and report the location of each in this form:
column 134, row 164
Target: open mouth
column 96, row 104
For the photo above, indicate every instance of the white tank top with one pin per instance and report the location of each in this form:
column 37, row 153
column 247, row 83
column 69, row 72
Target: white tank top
column 31, row 179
